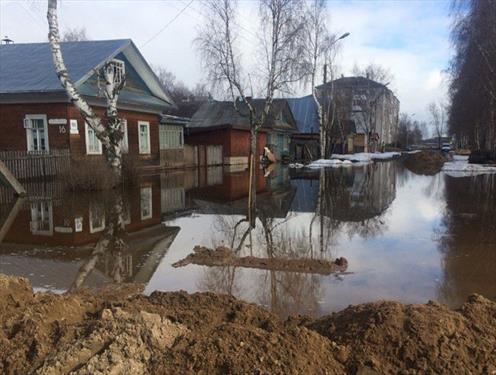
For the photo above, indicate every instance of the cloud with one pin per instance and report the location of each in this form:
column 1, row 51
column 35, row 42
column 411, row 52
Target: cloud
column 411, row 38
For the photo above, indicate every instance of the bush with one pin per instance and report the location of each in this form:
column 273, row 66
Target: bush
column 85, row 175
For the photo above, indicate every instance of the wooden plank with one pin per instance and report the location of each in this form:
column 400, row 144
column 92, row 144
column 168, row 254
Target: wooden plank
column 9, row 178
column 5, row 226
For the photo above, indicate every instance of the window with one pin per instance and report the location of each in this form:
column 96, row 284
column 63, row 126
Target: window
column 124, row 140
column 146, row 203
column 42, row 218
column 74, row 126
column 97, row 217
column 93, row 144
column 36, row 132
column 144, row 137
column 170, row 136
column 118, row 70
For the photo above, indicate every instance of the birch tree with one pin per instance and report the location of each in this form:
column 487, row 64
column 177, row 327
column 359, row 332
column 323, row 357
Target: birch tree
column 438, row 120
column 280, row 63
column 109, row 132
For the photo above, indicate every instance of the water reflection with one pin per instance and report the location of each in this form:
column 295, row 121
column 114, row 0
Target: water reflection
column 405, row 236
column 467, row 239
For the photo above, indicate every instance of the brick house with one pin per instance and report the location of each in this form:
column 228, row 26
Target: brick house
column 218, row 123
column 36, row 115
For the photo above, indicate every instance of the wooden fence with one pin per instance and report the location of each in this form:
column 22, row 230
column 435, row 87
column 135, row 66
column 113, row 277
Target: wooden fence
column 25, row 165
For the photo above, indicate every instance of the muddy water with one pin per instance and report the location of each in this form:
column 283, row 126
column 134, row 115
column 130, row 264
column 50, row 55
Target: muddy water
column 406, row 237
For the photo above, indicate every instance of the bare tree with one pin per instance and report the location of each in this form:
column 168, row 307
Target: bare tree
column 374, row 72
column 74, row 35
column 438, row 120
column 319, row 47
column 281, row 28
column 110, row 133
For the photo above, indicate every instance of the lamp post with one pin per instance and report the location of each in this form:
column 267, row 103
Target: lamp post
column 334, row 41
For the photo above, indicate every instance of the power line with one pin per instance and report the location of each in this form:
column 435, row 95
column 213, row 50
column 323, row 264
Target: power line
column 167, row 24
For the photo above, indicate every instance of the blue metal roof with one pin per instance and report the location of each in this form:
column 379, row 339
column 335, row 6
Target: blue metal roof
column 29, row 67
column 305, row 113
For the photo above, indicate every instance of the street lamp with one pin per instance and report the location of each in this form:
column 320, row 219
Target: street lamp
column 334, row 41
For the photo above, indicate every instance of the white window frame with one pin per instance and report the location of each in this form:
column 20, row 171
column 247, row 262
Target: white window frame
column 148, row 190
column 35, row 219
column 73, row 126
column 86, row 136
column 95, row 209
column 125, row 138
column 142, row 150
column 29, row 134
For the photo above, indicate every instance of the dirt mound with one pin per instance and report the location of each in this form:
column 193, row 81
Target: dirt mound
column 389, row 337
column 425, row 162
column 223, row 256
column 204, row 333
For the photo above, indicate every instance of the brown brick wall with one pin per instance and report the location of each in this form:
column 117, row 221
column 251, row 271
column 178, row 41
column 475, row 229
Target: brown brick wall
column 13, row 134
column 234, row 142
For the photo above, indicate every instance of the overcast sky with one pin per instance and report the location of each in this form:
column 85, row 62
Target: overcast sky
column 411, row 38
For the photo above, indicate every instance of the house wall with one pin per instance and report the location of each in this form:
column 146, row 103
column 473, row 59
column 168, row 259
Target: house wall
column 235, row 143
column 14, row 135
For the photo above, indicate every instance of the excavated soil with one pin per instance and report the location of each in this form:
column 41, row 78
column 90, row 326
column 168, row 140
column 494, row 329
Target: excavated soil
column 120, row 331
column 223, row 256
column 425, row 162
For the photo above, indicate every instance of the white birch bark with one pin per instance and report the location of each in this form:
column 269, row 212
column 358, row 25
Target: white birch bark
column 111, row 135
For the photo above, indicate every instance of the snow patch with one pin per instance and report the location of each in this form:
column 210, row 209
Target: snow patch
column 460, row 167
column 366, row 156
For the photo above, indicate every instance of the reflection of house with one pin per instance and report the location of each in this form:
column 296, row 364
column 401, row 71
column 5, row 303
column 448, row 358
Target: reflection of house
column 351, row 194
column 36, row 115
column 219, row 123
column 56, row 235
column 274, row 194
column 365, row 116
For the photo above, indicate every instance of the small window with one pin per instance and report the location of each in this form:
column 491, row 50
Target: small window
column 124, row 140
column 97, row 217
column 74, row 126
column 146, row 203
column 42, row 218
column 118, row 69
column 93, row 144
column 144, row 137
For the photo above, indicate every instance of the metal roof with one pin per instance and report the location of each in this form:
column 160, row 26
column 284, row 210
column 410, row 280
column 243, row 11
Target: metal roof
column 221, row 113
column 305, row 113
column 28, row 67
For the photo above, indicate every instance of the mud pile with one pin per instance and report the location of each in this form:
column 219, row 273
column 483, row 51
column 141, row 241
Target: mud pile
column 425, row 162
column 169, row 333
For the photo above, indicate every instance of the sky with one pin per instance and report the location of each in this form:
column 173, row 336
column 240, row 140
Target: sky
column 409, row 37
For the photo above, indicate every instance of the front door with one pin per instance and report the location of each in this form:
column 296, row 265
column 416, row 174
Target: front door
column 36, row 133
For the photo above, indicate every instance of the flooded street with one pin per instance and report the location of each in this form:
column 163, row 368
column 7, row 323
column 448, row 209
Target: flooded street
column 406, row 237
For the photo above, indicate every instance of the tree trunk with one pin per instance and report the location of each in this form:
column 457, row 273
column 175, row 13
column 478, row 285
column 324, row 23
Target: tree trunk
column 252, row 192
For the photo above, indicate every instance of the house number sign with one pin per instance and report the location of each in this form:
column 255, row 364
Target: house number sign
column 57, row 121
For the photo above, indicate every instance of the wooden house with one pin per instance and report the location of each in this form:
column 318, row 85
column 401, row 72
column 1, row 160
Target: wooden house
column 219, row 123
column 36, row 116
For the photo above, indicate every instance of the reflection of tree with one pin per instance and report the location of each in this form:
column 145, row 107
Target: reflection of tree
column 467, row 238
column 110, row 243
column 353, row 199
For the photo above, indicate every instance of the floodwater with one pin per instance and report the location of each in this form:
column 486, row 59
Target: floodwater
column 406, row 237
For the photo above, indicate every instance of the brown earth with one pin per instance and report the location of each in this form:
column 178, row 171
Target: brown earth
column 425, row 162
column 120, row 331
column 223, row 256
